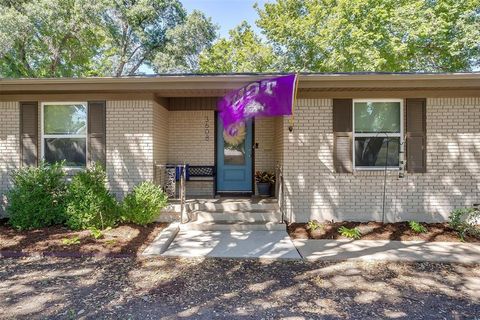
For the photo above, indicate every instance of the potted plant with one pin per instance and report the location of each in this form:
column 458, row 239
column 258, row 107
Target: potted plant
column 264, row 180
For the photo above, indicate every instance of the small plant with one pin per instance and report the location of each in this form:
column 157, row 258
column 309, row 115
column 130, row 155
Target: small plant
column 313, row 225
column 265, row 177
column 417, row 227
column 37, row 198
column 111, row 242
column 352, row 233
column 96, row 233
column 142, row 206
column 89, row 203
column 71, row 241
column 465, row 221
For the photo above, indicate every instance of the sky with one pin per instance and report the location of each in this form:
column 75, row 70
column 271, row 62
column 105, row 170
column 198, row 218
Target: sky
column 226, row 13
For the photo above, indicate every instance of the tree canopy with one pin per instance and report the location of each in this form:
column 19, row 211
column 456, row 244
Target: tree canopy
column 243, row 51
column 47, row 38
column 373, row 35
column 349, row 36
column 51, row 38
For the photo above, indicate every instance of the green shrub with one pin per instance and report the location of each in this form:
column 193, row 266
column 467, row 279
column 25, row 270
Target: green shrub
column 37, row 197
column 143, row 204
column 352, row 233
column 465, row 222
column 313, row 225
column 71, row 241
column 89, row 203
column 417, row 227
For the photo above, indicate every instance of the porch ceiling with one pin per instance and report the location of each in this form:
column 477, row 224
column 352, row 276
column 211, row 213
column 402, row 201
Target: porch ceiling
column 310, row 85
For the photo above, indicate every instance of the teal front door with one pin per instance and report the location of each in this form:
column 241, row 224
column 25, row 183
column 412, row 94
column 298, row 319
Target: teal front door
column 234, row 158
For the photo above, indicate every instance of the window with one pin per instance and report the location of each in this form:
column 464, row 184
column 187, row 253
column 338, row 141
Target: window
column 64, row 133
column 377, row 126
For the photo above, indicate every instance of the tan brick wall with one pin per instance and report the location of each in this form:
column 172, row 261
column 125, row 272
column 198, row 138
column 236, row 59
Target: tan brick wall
column 191, row 140
column 160, row 133
column 265, row 137
column 9, row 146
column 315, row 191
column 191, row 137
column 129, row 144
column 278, row 140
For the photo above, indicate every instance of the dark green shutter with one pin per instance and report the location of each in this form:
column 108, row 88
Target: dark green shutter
column 97, row 132
column 342, row 132
column 416, row 142
column 29, row 133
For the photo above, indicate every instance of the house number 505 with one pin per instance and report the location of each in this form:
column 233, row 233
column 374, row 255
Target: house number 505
column 207, row 128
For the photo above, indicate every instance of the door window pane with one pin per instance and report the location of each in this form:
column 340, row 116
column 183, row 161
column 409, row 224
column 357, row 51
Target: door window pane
column 234, row 145
column 372, row 152
column 72, row 150
column 374, row 117
column 65, row 119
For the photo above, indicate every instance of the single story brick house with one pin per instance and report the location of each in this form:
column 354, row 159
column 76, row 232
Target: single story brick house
column 347, row 128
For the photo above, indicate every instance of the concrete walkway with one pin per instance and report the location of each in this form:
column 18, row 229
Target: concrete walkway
column 233, row 244
column 389, row 250
column 173, row 241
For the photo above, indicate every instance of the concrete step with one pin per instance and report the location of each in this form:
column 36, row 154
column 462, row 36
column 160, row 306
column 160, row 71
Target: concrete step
column 236, row 216
column 232, row 226
column 233, row 206
column 216, row 205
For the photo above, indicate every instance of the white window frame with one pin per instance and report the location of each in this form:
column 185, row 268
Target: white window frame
column 379, row 135
column 43, row 135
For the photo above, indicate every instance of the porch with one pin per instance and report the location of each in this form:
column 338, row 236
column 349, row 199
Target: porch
column 224, row 210
column 187, row 131
column 235, row 209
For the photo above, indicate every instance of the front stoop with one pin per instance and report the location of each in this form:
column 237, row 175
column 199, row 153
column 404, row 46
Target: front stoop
column 232, row 226
column 386, row 250
column 227, row 214
column 233, row 244
column 235, row 228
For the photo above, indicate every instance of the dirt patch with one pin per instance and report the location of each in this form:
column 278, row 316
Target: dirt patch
column 127, row 239
column 399, row 231
column 205, row 289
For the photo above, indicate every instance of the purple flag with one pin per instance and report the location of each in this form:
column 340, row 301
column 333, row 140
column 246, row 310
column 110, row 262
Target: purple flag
column 268, row 97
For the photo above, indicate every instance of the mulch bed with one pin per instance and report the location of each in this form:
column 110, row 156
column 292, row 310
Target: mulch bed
column 399, row 231
column 124, row 240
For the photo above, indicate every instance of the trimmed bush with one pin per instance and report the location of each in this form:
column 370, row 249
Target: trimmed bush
column 37, row 198
column 465, row 221
column 143, row 204
column 89, row 204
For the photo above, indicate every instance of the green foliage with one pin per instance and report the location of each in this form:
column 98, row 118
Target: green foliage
column 184, row 44
column 417, row 227
column 143, row 204
column 71, row 241
column 372, row 35
column 243, row 51
column 313, row 225
column 53, row 38
column 89, row 203
column 37, row 197
column 265, row 177
column 111, row 242
column 48, row 38
column 96, row 233
column 465, row 221
column 352, row 233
